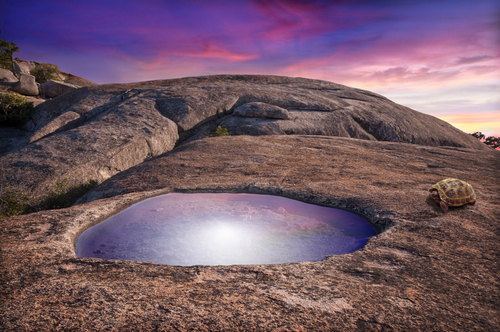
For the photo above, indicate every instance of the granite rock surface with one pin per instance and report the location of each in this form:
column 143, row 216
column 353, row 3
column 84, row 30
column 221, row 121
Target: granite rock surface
column 51, row 88
column 7, row 76
column 425, row 270
column 23, row 67
column 26, row 85
column 98, row 131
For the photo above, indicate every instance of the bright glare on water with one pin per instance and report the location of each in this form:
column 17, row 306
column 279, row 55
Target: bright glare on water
column 224, row 229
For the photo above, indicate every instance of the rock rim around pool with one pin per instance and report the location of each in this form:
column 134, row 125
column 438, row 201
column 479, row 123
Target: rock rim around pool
column 224, row 229
column 425, row 270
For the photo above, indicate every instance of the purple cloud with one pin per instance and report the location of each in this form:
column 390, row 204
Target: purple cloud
column 472, row 59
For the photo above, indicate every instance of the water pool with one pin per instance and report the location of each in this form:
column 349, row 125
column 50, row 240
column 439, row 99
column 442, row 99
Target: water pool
column 224, row 229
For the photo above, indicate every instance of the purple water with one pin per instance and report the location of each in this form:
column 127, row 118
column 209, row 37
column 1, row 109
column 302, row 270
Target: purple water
column 224, row 229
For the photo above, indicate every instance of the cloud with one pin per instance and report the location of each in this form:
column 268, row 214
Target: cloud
column 407, row 75
column 472, row 59
column 292, row 20
column 208, row 50
column 482, row 70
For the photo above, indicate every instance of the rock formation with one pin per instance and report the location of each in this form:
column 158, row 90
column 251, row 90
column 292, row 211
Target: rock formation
column 26, row 85
column 96, row 132
column 52, row 89
column 425, row 271
column 261, row 110
column 20, row 81
column 6, row 76
column 313, row 141
column 23, row 67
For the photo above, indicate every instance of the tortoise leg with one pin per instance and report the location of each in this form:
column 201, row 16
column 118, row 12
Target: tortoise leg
column 444, row 206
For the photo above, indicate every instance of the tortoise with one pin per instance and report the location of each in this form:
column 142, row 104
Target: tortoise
column 452, row 192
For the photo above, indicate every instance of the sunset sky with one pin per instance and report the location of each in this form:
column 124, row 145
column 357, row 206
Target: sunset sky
column 440, row 57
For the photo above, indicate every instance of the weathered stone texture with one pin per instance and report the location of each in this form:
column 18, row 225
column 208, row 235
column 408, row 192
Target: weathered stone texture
column 51, row 88
column 26, row 85
column 23, row 67
column 425, row 271
column 89, row 132
column 261, row 110
column 7, row 76
column 314, row 141
column 97, row 150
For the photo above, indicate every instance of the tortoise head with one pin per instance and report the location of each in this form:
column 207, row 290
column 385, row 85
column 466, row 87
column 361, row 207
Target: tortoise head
column 435, row 194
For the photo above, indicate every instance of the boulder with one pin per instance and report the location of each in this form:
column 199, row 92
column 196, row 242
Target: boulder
column 26, row 85
column 7, row 76
column 23, row 67
column 52, row 89
column 261, row 110
column 425, row 270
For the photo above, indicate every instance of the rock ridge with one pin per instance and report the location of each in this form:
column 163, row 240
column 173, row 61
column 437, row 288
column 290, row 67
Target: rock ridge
column 96, row 126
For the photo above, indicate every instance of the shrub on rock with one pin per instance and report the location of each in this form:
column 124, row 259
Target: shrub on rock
column 12, row 202
column 14, row 109
column 45, row 72
column 65, row 195
column 220, row 132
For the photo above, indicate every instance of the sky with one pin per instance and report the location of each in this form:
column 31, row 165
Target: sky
column 439, row 57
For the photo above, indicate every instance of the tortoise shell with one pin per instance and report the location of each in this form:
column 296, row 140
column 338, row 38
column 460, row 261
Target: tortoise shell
column 452, row 192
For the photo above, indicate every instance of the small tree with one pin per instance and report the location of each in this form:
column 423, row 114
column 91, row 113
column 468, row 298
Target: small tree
column 478, row 135
column 6, row 51
column 492, row 141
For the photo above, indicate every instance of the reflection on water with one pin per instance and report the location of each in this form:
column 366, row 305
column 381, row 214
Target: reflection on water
column 224, row 229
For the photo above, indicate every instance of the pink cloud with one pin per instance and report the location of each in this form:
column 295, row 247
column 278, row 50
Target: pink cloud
column 208, row 50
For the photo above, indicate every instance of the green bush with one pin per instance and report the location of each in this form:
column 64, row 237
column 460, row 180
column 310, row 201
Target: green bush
column 220, row 132
column 65, row 195
column 45, row 72
column 12, row 202
column 14, row 109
